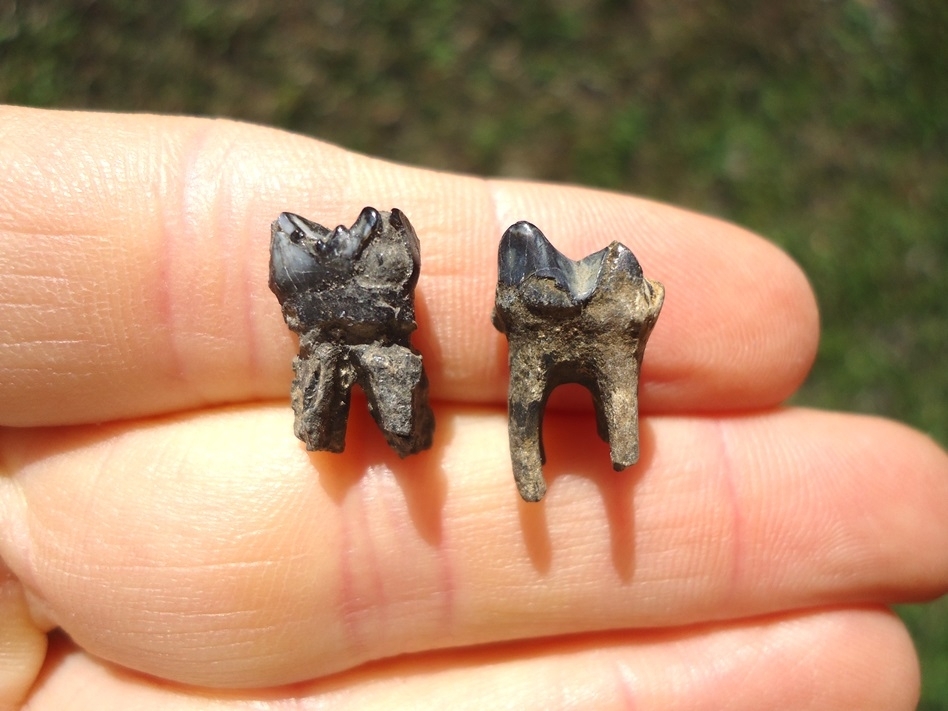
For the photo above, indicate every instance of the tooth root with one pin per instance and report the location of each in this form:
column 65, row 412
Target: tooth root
column 395, row 384
column 528, row 392
column 583, row 322
column 619, row 386
column 320, row 397
column 353, row 306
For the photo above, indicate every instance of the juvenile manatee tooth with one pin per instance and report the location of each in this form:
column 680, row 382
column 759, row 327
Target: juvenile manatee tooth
column 349, row 294
column 583, row 322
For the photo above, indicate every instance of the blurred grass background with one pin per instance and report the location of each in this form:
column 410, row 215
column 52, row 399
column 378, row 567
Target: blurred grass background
column 822, row 124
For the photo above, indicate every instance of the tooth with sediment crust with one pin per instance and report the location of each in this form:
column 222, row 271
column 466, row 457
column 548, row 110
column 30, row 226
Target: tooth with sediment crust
column 349, row 294
column 568, row 321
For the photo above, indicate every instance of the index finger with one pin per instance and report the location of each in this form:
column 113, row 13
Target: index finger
column 135, row 252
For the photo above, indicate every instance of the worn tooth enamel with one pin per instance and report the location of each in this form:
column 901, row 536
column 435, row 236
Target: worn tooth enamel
column 366, row 223
column 583, row 322
column 349, row 294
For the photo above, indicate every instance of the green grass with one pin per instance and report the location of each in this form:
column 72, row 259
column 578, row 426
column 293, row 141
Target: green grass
column 822, row 124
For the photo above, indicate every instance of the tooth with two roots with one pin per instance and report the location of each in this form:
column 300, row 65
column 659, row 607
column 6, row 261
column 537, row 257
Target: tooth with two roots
column 349, row 294
column 583, row 322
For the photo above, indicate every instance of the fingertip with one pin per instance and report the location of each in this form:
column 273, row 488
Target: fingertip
column 739, row 327
column 144, row 290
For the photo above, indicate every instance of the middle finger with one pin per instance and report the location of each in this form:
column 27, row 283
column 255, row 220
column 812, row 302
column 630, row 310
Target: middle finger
column 212, row 549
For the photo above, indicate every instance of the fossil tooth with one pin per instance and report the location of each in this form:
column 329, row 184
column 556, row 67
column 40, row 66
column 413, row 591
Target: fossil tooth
column 349, row 294
column 583, row 322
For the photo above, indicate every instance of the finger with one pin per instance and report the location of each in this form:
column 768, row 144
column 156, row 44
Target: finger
column 135, row 254
column 214, row 550
column 22, row 645
column 855, row 659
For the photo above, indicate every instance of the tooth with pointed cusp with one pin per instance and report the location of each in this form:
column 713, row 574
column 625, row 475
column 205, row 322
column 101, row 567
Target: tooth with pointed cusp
column 349, row 294
column 568, row 321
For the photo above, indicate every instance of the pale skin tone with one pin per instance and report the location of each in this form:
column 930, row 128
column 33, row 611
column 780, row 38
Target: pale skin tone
column 157, row 510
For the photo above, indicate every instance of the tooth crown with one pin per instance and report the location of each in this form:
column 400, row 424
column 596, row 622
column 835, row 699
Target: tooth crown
column 584, row 322
column 357, row 282
column 349, row 294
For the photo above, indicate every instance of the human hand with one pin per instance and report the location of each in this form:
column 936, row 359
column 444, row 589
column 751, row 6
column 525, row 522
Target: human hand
column 155, row 505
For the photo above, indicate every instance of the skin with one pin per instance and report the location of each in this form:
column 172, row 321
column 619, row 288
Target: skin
column 167, row 542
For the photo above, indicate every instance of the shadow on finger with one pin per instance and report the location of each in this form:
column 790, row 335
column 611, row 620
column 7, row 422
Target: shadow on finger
column 573, row 448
